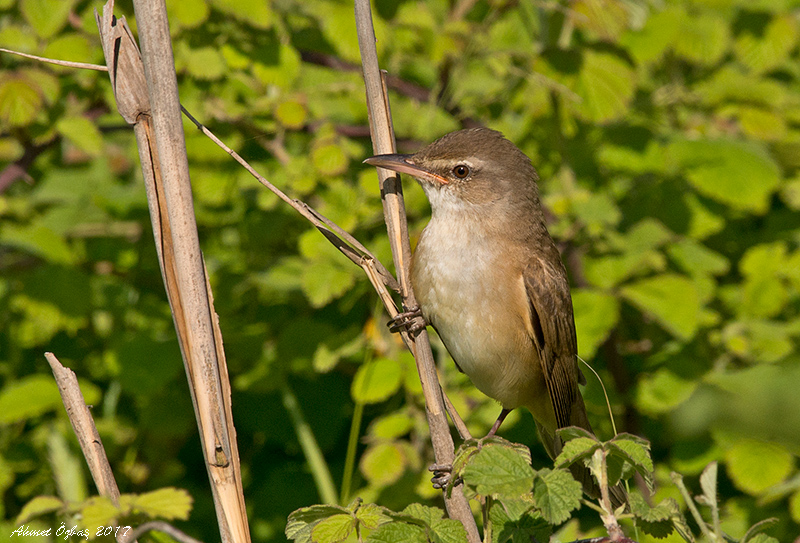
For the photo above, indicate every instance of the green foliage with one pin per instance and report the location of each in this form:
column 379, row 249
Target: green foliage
column 666, row 136
column 97, row 512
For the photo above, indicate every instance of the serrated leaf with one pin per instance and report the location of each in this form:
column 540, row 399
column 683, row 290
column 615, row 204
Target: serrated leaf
column 656, row 521
column 168, row 503
column 371, row 516
column 300, row 522
column 376, row 381
column 393, row 532
column 442, row 530
column 556, row 494
column 754, row 466
column 758, row 527
column 525, row 527
column 708, row 483
column 97, row 511
column 635, row 452
column 333, row 529
column 575, row 450
column 573, row 432
column 38, row 506
column 498, row 469
column 671, row 299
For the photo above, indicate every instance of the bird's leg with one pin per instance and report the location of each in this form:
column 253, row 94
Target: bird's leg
column 500, row 418
column 411, row 321
column 441, row 475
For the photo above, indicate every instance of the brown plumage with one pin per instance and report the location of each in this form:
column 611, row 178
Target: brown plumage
column 490, row 280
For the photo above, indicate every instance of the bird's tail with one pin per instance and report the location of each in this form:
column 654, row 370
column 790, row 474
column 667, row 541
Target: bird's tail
column 553, row 445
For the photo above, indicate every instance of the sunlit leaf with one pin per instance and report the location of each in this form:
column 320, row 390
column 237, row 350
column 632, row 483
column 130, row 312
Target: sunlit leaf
column 671, row 299
column 754, row 466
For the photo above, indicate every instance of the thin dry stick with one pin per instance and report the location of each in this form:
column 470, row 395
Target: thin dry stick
column 394, row 212
column 86, row 432
column 142, row 88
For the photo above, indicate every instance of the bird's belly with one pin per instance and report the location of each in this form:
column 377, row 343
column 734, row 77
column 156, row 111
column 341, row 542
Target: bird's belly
column 481, row 320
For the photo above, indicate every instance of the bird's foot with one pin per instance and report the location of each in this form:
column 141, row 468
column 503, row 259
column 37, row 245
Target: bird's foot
column 410, row 321
column 441, row 475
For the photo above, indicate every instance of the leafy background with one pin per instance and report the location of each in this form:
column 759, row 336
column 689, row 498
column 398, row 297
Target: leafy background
column 667, row 137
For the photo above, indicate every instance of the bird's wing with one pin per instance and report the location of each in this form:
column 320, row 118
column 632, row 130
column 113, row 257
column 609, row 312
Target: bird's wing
column 553, row 334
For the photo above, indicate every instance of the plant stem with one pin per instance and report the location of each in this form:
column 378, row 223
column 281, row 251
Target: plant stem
column 350, row 459
column 308, row 443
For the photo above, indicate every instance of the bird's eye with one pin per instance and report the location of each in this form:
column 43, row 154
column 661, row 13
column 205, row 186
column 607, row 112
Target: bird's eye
column 461, row 171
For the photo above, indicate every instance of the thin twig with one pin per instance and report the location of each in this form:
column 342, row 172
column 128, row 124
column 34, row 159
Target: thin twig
column 85, row 430
column 394, row 213
column 67, row 63
column 158, row 526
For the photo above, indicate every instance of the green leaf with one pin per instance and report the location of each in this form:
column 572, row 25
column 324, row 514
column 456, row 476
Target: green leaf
column 398, row 531
column 636, row 451
column 498, row 469
column 576, row 449
column 754, row 466
column 333, row 529
column 739, row 175
column 186, row 14
column 392, row 426
column 556, row 494
column 82, row 133
column 383, row 464
column 38, row 506
column 596, row 314
column 252, row 12
column 46, row 17
column 168, row 503
column 20, row 101
column 606, row 85
column 525, row 527
column 329, row 159
column 708, row 483
column 671, row 299
column 655, row 521
column 371, row 516
column 443, row 530
column 204, row 63
column 702, row 38
column 28, row 397
column 291, row 114
column 763, row 538
column 695, row 258
column 98, row 511
column 663, row 391
column 376, row 381
column 772, row 48
column 301, row 521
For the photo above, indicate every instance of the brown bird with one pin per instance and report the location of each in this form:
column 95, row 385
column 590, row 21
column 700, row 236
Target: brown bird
column 490, row 280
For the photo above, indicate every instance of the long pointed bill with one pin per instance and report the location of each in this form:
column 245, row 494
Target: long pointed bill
column 403, row 164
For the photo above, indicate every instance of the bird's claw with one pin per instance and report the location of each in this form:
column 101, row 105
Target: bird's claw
column 410, row 321
column 441, row 475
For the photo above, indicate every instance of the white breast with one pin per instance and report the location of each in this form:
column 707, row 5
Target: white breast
column 478, row 317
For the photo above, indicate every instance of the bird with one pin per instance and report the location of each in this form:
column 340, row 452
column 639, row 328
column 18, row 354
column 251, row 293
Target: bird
column 490, row 280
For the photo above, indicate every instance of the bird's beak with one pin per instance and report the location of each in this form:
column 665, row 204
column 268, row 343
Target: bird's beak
column 405, row 164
